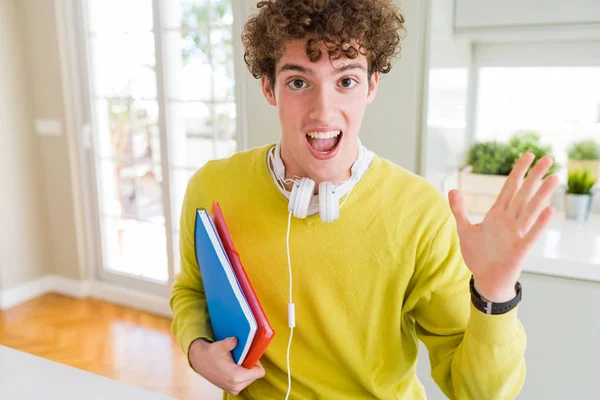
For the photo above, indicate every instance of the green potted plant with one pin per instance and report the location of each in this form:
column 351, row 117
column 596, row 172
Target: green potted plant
column 530, row 141
column 489, row 163
column 579, row 196
column 585, row 154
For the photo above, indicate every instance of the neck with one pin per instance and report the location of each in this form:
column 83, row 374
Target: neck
column 292, row 170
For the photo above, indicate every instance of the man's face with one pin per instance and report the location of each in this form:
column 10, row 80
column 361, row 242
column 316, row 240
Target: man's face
column 321, row 107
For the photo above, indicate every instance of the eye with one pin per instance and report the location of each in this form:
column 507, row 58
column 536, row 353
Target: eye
column 348, row 83
column 297, row 84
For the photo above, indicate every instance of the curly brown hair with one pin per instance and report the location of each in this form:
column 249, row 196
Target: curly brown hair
column 376, row 26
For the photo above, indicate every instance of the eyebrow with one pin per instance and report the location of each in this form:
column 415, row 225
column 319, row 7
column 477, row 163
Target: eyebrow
column 299, row 68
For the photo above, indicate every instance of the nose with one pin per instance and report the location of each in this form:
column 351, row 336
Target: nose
column 322, row 105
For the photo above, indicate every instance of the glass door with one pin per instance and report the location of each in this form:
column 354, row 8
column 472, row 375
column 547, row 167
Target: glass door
column 161, row 85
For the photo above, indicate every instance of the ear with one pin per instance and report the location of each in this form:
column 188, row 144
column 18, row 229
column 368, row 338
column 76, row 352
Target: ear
column 267, row 90
column 373, row 83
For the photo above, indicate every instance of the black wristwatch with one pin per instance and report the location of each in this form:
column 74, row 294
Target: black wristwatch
column 493, row 308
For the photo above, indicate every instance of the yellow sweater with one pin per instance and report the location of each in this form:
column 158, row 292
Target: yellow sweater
column 367, row 288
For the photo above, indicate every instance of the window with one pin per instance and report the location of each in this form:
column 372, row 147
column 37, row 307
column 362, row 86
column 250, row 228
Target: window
column 552, row 88
column 561, row 103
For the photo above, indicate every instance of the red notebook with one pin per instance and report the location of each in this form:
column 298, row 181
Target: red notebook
column 264, row 331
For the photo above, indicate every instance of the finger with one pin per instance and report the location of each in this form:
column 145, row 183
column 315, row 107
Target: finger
column 513, row 181
column 534, row 208
column 530, row 185
column 242, row 378
column 538, row 228
column 227, row 344
column 255, row 372
column 458, row 205
column 259, row 366
column 248, row 375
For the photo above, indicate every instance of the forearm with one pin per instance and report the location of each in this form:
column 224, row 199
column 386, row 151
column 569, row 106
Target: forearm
column 489, row 363
column 190, row 316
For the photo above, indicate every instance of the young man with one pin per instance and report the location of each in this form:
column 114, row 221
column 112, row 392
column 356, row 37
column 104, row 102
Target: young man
column 395, row 268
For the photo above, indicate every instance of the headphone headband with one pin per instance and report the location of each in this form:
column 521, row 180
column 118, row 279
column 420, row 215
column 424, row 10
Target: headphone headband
column 302, row 200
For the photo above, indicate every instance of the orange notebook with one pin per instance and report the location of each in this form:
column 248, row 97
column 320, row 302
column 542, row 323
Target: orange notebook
column 264, row 333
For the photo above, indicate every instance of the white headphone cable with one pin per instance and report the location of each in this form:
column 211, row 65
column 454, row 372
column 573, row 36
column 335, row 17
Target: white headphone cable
column 291, row 311
column 347, row 195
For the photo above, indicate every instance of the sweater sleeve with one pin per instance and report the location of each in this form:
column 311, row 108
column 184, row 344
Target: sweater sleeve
column 187, row 301
column 473, row 355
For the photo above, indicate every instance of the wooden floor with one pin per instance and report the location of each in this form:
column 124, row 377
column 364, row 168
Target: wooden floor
column 113, row 341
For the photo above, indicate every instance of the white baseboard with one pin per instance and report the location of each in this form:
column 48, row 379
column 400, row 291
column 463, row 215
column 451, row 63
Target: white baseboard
column 25, row 292
column 69, row 287
column 131, row 298
column 81, row 289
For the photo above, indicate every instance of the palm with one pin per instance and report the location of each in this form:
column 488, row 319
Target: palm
column 494, row 249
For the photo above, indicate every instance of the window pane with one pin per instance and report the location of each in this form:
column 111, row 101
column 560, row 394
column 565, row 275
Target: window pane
column 221, row 44
column 120, row 16
column 221, row 12
column 191, row 77
column 127, row 128
column 223, row 67
column 131, row 190
column 149, row 193
column 194, row 14
column 135, row 248
column 226, row 148
column 188, row 66
column 179, row 182
column 124, row 65
column 225, row 121
column 117, row 188
column 224, row 82
column 189, row 123
column 200, row 150
column 562, row 104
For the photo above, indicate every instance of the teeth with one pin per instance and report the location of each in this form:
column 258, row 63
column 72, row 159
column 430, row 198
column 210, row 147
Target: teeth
column 324, row 135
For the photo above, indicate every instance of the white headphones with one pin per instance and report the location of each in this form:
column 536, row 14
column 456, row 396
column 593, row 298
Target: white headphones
column 302, row 202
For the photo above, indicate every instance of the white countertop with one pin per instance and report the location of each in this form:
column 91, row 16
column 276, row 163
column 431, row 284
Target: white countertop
column 568, row 249
column 24, row 376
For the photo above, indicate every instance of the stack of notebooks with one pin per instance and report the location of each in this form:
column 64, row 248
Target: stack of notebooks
column 233, row 306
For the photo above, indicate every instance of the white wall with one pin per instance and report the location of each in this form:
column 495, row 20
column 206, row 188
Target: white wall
column 562, row 321
column 23, row 239
column 45, row 76
column 37, row 212
column 477, row 13
column 392, row 123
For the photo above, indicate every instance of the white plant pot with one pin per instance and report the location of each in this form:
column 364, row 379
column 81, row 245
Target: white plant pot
column 480, row 191
column 577, row 206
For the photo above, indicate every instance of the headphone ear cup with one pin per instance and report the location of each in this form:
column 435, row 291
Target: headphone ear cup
column 329, row 209
column 300, row 197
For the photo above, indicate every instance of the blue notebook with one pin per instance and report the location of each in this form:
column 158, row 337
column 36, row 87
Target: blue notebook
column 230, row 314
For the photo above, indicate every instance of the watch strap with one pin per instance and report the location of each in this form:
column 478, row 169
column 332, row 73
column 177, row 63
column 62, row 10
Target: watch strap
column 492, row 308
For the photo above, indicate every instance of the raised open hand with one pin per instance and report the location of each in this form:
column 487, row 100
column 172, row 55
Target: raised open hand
column 494, row 249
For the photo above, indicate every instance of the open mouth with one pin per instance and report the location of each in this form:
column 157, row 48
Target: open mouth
column 324, row 144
